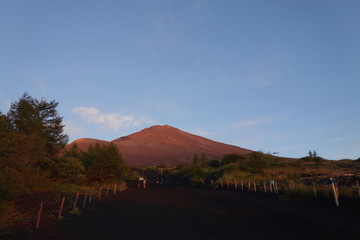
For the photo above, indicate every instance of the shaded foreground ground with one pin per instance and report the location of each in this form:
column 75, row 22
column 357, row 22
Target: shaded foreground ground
column 167, row 212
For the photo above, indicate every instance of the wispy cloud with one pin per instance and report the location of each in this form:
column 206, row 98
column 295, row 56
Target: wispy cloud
column 39, row 82
column 111, row 120
column 344, row 156
column 333, row 140
column 254, row 122
column 201, row 133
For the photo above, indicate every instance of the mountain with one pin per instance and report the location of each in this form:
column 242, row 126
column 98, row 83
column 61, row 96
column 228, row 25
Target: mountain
column 164, row 145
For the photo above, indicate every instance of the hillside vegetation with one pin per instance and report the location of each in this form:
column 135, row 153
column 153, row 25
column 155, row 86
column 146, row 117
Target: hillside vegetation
column 292, row 175
column 32, row 156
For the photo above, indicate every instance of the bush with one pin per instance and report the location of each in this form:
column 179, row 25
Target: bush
column 300, row 191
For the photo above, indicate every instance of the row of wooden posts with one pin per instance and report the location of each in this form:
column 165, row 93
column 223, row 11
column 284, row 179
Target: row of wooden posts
column 88, row 197
column 273, row 187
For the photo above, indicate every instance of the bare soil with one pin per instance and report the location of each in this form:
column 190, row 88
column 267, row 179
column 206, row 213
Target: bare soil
column 181, row 212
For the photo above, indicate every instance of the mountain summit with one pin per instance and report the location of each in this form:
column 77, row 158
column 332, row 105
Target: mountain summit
column 164, row 145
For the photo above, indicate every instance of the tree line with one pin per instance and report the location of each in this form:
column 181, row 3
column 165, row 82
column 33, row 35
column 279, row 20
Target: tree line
column 32, row 151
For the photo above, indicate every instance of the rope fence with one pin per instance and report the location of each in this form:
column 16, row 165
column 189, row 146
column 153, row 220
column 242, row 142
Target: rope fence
column 70, row 203
column 285, row 187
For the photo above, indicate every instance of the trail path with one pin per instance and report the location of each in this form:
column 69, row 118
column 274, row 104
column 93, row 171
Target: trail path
column 171, row 213
column 189, row 213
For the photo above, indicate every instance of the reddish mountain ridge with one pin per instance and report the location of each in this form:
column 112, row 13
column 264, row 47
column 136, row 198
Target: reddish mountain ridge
column 164, row 145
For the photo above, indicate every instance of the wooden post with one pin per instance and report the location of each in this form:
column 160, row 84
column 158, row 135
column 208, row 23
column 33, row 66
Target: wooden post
column 242, row 185
column 114, row 188
column 221, row 183
column 227, row 183
column 84, row 200
column 337, row 189
column 107, row 191
column 235, row 183
column 265, row 190
column 255, row 186
column 77, row 196
column 358, row 187
column 61, row 207
column 335, row 194
column 90, row 196
column 249, row 186
column 276, row 190
column 271, row 190
column 99, row 196
column 39, row 215
column 314, row 187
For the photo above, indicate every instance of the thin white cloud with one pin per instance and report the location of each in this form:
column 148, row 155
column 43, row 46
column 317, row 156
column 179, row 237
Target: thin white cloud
column 254, row 122
column 202, row 133
column 39, row 82
column 333, row 140
column 344, row 156
column 114, row 121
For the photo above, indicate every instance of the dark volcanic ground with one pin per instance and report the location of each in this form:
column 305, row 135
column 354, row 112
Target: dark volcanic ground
column 168, row 212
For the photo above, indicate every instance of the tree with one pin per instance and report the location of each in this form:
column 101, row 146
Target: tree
column 20, row 173
column 31, row 137
column 107, row 164
column 31, row 116
column 313, row 154
column 232, row 157
column 4, row 125
column 69, row 169
column 196, row 159
column 203, row 158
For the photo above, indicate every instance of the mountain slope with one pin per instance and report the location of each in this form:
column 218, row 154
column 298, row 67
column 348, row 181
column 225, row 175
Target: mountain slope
column 165, row 145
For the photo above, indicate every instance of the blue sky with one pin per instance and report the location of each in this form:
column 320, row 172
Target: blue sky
column 279, row 76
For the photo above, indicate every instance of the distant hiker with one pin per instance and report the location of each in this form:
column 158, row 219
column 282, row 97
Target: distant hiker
column 140, row 180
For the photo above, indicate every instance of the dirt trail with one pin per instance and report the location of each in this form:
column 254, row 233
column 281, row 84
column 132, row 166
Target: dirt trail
column 167, row 212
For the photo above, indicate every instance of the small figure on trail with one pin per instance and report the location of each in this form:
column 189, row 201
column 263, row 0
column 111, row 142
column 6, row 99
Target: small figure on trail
column 142, row 181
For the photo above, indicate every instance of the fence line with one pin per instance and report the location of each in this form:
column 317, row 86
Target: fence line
column 88, row 197
column 284, row 187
